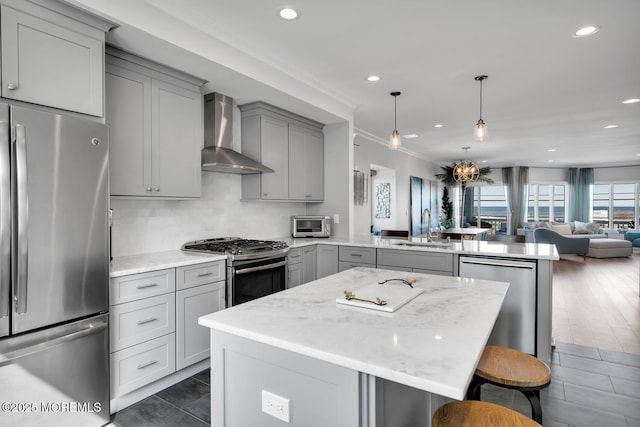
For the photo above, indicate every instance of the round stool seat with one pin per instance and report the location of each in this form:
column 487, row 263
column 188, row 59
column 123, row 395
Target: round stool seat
column 471, row 413
column 512, row 368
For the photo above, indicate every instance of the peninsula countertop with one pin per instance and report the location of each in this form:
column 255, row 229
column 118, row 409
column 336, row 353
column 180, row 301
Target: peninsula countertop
column 541, row 251
column 432, row 343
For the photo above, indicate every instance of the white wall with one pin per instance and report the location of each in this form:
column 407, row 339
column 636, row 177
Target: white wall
column 338, row 184
column 372, row 151
column 142, row 226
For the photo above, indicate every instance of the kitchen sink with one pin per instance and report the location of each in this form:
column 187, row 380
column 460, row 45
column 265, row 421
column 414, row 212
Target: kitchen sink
column 424, row 245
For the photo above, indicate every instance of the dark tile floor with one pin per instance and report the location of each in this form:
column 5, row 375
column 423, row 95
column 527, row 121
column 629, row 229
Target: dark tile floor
column 589, row 388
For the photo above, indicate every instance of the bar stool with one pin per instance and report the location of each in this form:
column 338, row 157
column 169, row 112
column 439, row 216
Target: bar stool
column 471, row 413
column 512, row 369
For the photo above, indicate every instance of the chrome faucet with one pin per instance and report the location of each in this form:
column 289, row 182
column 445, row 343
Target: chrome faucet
column 427, row 212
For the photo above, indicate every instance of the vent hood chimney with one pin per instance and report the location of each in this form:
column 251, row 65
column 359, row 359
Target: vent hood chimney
column 218, row 154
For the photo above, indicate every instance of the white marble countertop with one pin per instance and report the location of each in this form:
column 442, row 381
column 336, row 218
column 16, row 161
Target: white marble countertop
column 463, row 247
column 122, row 266
column 433, row 343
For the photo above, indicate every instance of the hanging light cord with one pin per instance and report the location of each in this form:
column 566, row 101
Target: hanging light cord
column 481, row 98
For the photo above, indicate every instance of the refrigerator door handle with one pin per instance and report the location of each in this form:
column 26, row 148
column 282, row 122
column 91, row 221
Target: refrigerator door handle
column 9, row 357
column 22, row 209
column 5, row 220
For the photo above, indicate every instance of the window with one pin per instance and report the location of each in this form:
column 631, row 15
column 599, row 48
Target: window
column 489, row 206
column 547, row 202
column 614, row 205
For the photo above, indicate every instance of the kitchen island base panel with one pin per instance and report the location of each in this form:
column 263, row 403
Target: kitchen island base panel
column 319, row 393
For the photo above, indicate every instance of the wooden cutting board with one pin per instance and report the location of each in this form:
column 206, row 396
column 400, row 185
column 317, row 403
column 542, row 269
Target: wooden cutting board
column 396, row 295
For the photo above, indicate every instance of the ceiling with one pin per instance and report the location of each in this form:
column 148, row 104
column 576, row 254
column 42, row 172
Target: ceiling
column 545, row 90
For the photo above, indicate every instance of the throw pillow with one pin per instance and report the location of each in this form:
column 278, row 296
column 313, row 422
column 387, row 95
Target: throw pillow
column 587, row 227
column 542, row 224
column 564, row 229
column 582, row 227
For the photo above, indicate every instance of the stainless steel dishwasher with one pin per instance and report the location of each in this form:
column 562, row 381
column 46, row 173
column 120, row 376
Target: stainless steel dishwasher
column 516, row 323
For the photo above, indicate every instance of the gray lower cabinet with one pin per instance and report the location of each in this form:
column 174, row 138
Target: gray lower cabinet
column 301, row 266
column 154, row 328
column 294, row 268
column 418, row 261
column 53, row 57
column 291, row 145
column 155, row 128
column 326, row 260
column 309, row 263
column 142, row 329
column 356, row 256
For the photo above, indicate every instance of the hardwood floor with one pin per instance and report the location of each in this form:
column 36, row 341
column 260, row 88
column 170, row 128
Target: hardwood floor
column 596, row 302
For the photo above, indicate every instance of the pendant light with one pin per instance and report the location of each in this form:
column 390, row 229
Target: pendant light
column 466, row 171
column 480, row 131
column 395, row 141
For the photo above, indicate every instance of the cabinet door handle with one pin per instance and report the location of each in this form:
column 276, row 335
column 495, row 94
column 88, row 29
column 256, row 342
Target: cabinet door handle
column 145, row 321
column 265, row 194
column 308, row 195
column 205, row 274
column 12, row 86
column 149, row 363
column 356, row 255
column 148, row 188
column 156, row 189
column 148, row 285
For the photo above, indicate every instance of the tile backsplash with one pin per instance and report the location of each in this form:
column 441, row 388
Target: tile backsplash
column 143, row 226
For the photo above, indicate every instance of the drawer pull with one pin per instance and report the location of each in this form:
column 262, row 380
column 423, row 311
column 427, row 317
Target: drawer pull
column 355, row 255
column 294, row 256
column 145, row 321
column 149, row 363
column 148, row 285
column 205, row 274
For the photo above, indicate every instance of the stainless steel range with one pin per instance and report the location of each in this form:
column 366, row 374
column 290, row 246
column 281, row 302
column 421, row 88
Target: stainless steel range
column 255, row 268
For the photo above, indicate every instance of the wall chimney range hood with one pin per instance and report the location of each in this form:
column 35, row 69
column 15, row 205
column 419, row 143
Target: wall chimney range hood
column 218, row 154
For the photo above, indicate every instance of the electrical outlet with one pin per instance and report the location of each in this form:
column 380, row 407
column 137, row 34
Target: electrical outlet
column 276, row 406
column 336, row 219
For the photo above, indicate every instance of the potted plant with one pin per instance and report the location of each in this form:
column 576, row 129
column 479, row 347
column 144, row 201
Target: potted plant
column 446, row 219
column 449, row 180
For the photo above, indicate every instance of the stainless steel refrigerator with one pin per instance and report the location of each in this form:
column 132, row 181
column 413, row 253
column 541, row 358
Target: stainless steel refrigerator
column 54, row 269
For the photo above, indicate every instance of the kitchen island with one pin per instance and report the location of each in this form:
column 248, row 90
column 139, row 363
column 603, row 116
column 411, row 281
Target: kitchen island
column 333, row 365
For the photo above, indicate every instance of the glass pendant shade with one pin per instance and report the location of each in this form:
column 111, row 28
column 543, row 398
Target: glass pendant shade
column 480, row 131
column 395, row 140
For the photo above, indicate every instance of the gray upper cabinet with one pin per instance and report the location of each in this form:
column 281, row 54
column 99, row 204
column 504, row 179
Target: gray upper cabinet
column 156, row 129
column 306, row 165
column 53, row 59
column 291, row 145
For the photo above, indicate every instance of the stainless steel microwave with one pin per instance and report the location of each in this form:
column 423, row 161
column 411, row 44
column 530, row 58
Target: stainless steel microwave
column 310, row 226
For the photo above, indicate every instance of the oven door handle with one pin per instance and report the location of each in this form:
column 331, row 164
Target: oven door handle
column 260, row 268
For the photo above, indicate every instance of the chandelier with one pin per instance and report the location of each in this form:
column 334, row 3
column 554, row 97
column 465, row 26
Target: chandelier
column 465, row 171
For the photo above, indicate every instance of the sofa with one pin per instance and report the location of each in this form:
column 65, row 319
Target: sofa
column 564, row 244
column 586, row 245
column 572, row 230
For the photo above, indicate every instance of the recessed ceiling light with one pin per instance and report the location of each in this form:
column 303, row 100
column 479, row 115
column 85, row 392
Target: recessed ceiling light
column 437, row 125
column 409, row 136
column 610, row 126
column 631, row 101
column 289, row 14
column 586, row 31
column 550, row 161
column 483, row 161
column 373, row 78
column 551, row 150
